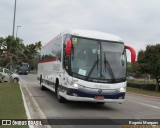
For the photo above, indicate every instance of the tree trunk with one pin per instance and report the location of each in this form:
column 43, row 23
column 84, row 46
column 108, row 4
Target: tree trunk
column 11, row 63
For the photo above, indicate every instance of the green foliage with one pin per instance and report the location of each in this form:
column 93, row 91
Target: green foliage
column 11, row 102
column 133, row 68
column 14, row 52
column 46, row 57
column 149, row 61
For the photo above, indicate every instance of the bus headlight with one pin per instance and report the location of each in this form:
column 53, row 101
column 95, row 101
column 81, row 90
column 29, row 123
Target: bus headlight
column 122, row 89
column 72, row 83
column 75, row 85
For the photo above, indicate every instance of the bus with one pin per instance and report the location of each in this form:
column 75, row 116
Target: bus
column 85, row 65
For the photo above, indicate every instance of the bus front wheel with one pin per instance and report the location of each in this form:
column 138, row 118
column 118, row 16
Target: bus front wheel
column 41, row 86
column 59, row 97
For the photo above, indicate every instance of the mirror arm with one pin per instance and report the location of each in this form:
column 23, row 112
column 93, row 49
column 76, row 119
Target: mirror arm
column 133, row 53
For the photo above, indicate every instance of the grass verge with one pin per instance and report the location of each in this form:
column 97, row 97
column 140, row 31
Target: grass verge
column 144, row 92
column 11, row 103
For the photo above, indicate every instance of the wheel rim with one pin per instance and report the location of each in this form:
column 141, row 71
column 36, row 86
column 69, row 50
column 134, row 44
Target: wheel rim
column 15, row 80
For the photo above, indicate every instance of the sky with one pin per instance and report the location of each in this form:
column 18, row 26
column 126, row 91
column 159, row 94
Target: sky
column 137, row 22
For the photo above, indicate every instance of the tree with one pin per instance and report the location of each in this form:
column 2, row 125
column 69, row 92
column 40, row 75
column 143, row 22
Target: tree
column 133, row 68
column 1, row 51
column 30, row 53
column 10, row 49
column 149, row 61
column 13, row 52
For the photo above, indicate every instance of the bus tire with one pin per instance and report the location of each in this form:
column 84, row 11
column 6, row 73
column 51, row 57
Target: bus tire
column 41, row 86
column 60, row 98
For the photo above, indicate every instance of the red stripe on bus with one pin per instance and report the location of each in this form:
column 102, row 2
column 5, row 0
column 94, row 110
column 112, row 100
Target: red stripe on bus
column 49, row 60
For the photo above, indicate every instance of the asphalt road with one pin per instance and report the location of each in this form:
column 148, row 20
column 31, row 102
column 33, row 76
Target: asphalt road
column 134, row 107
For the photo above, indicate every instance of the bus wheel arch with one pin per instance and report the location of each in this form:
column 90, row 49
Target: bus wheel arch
column 59, row 97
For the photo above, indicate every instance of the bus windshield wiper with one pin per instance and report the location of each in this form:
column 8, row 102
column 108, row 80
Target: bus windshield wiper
column 93, row 67
column 108, row 67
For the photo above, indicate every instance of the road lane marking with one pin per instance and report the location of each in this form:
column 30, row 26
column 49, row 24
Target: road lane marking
column 152, row 106
column 25, row 105
column 39, row 110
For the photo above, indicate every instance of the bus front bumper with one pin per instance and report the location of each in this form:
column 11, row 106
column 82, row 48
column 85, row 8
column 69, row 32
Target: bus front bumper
column 78, row 95
column 86, row 99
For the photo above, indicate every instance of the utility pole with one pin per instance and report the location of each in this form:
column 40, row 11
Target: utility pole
column 14, row 17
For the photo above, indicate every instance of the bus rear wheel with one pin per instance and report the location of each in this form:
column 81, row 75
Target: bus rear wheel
column 41, row 86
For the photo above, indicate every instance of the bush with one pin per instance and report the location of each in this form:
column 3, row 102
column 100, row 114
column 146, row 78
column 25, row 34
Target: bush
column 134, row 85
column 150, row 87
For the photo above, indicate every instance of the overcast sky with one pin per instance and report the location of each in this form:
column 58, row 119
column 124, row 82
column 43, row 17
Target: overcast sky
column 137, row 22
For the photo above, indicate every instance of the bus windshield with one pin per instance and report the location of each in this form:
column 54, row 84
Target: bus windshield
column 98, row 60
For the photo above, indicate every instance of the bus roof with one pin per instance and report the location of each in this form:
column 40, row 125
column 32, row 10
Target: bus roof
column 88, row 34
column 93, row 34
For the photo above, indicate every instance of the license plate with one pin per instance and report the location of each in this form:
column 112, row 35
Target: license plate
column 99, row 97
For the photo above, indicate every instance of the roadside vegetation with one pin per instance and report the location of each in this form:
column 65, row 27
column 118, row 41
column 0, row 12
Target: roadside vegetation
column 143, row 92
column 146, row 71
column 142, row 81
column 13, row 52
column 11, row 103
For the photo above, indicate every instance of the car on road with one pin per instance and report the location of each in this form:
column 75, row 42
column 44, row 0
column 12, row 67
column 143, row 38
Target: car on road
column 23, row 70
column 7, row 75
column 130, row 78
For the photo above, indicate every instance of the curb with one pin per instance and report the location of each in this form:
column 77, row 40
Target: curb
column 35, row 104
column 25, row 106
column 152, row 97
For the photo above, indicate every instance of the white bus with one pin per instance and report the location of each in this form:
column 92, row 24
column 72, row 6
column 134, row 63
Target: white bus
column 84, row 65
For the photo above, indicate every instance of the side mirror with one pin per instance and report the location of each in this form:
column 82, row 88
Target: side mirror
column 133, row 53
column 68, row 46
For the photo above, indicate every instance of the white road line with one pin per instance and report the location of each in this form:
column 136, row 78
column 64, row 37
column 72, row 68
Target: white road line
column 25, row 105
column 42, row 115
column 152, row 106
